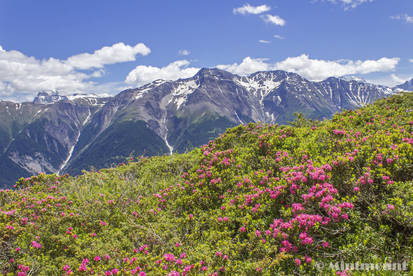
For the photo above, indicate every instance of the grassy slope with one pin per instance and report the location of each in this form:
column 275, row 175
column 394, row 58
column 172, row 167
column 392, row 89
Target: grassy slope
column 125, row 138
column 260, row 199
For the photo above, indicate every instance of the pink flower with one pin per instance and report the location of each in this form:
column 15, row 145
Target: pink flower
column 325, row 244
column 242, row 229
column 97, row 258
column 102, row 223
column 390, row 207
column 297, row 261
column 169, row 257
column 36, row 244
column 307, row 240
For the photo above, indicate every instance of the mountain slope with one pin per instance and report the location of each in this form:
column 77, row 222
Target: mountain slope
column 407, row 86
column 40, row 137
column 59, row 134
column 261, row 199
column 189, row 112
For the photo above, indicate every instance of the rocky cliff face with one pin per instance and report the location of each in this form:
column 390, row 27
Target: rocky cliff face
column 59, row 134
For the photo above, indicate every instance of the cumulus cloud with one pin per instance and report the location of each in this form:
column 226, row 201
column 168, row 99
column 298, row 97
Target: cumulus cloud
column 273, row 19
column 21, row 74
column 403, row 17
column 313, row 69
column 349, row 4
column 278, row 36
column 184, row 52
column 317, row 69
column 391, row 80
column 398, row 79
column 264, row 41
column 247, row 66
column 143, row 74
column 116, row 53
column 411, row 60
column 248, row 9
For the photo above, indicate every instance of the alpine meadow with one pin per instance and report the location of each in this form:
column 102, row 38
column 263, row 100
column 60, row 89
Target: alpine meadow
column 212, row 138
column 259, row 199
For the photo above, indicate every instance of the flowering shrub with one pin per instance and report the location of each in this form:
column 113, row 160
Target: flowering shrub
column 260, row 199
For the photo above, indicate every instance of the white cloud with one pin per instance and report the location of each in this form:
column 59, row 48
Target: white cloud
column 98, row 73
column 278, row 36
column 411, row 60
column 316, row 69
column 348, row 4
column 184, row 52
column 247, row 66
column 116, row 53
column 398, row 79
column 313, row 69
column 391, row 80
column 264, row 41
column 143, row 74
column 22, row 75
column 273, row 19
column 248, row 9
column 403, row 17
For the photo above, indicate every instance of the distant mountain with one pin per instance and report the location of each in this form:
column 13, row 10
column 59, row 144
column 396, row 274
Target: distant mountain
column 407, row 86
column 45, row 97
column 59, row 134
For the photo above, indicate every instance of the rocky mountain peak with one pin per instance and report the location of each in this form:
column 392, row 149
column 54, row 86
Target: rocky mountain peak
column 161, row 117
column 48, row 97
column 407, row 86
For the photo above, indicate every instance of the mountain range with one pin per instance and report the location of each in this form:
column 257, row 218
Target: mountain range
column 67, row 134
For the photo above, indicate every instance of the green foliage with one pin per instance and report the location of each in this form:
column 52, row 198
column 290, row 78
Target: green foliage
column 259, row 199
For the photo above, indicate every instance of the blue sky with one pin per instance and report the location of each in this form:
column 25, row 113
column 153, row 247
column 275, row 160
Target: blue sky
column 105, row 46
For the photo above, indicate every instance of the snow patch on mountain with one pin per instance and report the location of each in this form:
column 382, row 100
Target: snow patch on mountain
column 258, row 87
column 181, row 92
column 148, row 87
